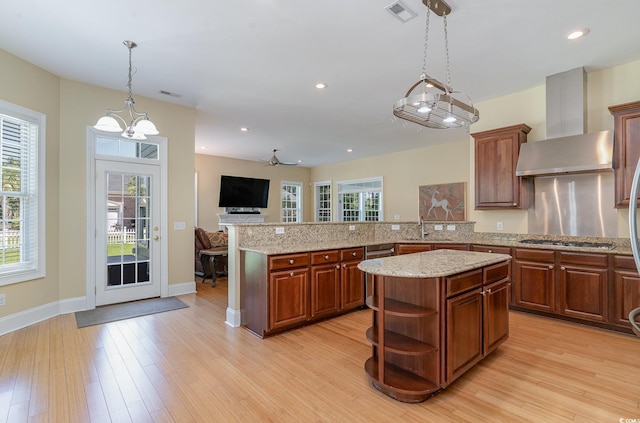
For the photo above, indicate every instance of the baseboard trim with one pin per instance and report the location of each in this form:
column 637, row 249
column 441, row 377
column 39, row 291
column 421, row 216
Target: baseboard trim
column 233, row 318
column 182, row 288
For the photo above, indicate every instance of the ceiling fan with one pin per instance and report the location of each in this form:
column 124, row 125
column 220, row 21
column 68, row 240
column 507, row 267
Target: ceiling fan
column 274, row 161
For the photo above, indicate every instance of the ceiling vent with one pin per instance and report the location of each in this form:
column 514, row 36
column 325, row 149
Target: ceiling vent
column 401, row 11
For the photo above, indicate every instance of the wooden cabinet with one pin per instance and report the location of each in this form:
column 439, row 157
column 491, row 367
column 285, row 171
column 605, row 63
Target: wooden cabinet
column 626, row 149
column 583, row 286
column 325, row 283
column 574, row 285
column 626, row 290
column 411, row 248
column 491, row 249
column 496, row 157
column 534, row 279
column 283, row 291
column 351, row 279
column 464, row 323
column 459, row 247
column 477, row 316
column 427, row 332
column 288, row 291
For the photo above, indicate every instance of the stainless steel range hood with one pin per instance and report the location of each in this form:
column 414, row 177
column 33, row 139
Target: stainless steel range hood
column 571, row 173
column 569, row 150
column 574, row 154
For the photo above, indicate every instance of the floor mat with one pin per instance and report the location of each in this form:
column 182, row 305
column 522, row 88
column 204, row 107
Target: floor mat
column 112, row 313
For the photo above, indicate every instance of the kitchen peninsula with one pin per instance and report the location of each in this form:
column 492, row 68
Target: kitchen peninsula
column 435, row 315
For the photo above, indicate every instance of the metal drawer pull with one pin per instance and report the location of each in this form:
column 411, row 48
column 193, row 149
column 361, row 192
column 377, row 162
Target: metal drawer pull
column 337, row 266
column 326, row 257
column 562, row 268
column 291, row 274
column 354, row 254
column 291, row 261
column 551, row 266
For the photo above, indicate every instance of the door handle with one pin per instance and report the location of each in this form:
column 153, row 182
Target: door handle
column 156, row 237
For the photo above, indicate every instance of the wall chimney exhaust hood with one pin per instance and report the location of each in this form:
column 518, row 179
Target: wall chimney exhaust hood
column 569, row 149
column 573, row 154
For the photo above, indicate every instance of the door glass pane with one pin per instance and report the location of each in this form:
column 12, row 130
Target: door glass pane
column 128, row 228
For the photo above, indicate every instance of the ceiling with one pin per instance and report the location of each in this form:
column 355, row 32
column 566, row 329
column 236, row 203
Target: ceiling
column 255, row 63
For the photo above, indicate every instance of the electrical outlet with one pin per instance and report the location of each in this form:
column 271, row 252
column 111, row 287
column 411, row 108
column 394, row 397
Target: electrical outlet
column 3, row 299
column 279, row 230
column 451, row 227
column 352, row 227
column 499, row 226
column 438, row 227
column 395, row 227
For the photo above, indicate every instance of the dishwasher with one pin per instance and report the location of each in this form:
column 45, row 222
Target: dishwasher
column 373, row 252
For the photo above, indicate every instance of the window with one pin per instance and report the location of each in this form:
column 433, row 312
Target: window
column 360, row 201
column 291, row 202
column 322, row 201
column 22, row 235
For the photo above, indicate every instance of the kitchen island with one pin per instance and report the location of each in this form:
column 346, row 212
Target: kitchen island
column 435, row 315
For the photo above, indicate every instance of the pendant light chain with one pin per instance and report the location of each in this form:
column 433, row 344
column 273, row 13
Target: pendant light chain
column 426, row 42
column 446, row 49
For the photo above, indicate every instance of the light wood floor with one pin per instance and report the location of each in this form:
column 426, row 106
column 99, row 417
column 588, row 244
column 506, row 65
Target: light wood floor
column 188, row 366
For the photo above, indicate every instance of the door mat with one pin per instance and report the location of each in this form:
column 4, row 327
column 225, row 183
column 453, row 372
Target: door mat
column 112, row 313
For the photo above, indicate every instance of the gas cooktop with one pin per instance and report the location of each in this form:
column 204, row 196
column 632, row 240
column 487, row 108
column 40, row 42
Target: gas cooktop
column 576, row 244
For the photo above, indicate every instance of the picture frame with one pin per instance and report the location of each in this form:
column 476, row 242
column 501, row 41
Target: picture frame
column 443, row 202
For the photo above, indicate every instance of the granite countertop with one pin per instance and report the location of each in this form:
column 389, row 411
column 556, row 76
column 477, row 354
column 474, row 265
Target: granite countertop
column 619, row 245
column 430, row 264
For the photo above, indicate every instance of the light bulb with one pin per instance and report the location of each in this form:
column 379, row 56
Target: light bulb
column 449, row 119
column 424, row 108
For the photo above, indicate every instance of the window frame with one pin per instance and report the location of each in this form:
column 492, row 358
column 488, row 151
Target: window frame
column 36, row 214
column 297, row 209
column 317, row 201
column 341, row 191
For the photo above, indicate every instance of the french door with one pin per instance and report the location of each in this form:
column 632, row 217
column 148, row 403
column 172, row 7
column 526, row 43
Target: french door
column 127, row 242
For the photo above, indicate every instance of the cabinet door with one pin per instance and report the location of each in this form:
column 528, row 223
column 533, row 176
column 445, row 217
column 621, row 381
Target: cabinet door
column 496, row 315
column 288, row 298
column 626, row 291
column 352, row 285
column 464, row 333
column 584, row 293
column 534, row 285
column 626, row 148
column 325, row 290
column 496, row 157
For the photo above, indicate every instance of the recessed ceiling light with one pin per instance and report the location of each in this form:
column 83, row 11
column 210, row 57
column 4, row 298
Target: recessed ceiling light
column 349, row 150
column 321, row 85
column 300, row 161
column 203, row 147
column 579, row 33
column 244, row 129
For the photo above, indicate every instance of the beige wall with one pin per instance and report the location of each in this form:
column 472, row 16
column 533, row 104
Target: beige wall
column 31, row 87
column 69, row 108
column 209, row 168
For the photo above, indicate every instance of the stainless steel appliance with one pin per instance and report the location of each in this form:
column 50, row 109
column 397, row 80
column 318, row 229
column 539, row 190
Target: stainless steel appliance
column 633, row 235
column 374, row 252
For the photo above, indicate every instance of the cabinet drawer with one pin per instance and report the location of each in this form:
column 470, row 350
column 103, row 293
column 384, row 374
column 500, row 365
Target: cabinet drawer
column 464, row 282
column 598, row 260
column 287, row 261
column 461, row 247
column 352, row 254
column 412, row 248
column 321, row 257
column 624, row 262
column 497, row 272
column 534, row 255
column 491, row 249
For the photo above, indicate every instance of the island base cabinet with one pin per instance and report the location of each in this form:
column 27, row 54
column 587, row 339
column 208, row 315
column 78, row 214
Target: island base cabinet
column 464, row 333
column 496, row 315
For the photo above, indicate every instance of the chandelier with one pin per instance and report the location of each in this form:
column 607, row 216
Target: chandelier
column 136, row 125
column 436, row 105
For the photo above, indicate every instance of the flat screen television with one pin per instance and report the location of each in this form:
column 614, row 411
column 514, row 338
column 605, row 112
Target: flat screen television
column 237, row 191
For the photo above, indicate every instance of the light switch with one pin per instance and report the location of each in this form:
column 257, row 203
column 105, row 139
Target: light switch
column 179, row 226
column 279, row 230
